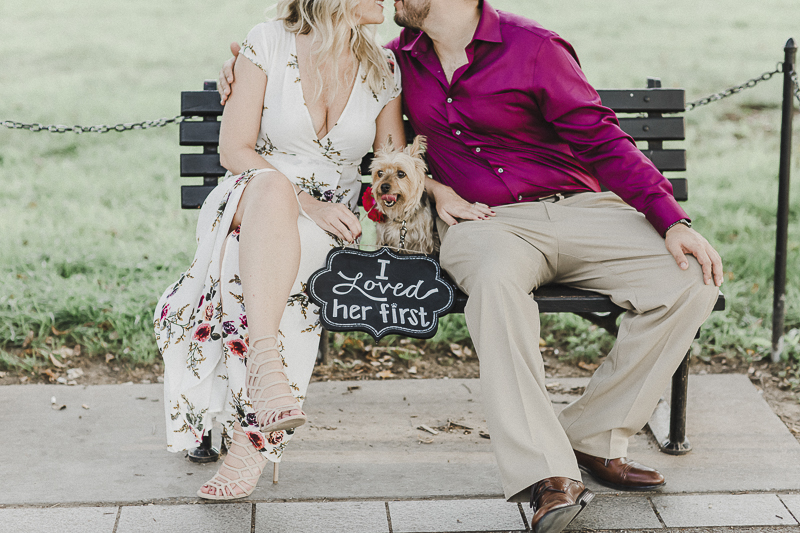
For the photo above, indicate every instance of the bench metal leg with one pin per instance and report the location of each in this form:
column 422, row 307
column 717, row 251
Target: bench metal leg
column 677, row 443
column 205, row 453
column 668, row 423
column 323, row 347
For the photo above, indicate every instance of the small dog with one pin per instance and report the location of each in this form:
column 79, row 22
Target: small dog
column 398, row 191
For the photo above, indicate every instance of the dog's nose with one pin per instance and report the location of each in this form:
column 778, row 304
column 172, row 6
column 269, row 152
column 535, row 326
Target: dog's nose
column 385, row 188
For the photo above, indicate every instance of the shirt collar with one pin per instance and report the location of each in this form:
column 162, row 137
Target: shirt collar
column 488, row 30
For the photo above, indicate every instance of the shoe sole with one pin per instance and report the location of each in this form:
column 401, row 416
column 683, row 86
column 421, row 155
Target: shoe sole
column 627, row 488
column 289, row 422
column 205, row 496
column 556, row 520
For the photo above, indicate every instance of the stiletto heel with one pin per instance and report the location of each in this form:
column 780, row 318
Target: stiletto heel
column 270, row 418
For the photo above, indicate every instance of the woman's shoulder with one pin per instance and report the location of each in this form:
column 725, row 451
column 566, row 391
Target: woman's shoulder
column 270, row 32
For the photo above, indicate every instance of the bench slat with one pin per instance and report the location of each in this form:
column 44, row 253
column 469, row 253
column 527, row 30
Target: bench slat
column 201, row 165
column 644, row 100
column 680, row 188
column 199, row 133
column 654, row 128
column 200, row 104
column 666, row 160
column 193, row 196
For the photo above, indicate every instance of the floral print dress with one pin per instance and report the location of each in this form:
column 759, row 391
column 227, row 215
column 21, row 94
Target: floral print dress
column 201, row 320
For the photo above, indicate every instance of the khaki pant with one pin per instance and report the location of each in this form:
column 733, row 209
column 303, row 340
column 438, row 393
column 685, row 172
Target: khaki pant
column 591, row 241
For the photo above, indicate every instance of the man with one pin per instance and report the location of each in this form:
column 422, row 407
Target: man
column 519, row 146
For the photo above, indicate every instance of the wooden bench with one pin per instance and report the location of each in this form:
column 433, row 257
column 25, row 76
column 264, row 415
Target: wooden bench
column 642, row 117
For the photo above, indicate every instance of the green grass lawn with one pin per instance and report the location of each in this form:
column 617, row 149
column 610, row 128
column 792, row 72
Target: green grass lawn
column 91, row 229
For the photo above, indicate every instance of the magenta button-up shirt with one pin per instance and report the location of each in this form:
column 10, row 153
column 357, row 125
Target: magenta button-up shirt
column 520, row 121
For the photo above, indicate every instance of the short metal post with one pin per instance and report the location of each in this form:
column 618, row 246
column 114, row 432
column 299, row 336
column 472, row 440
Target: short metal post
column 205, row 453
column 779, row 298
column 677, row 443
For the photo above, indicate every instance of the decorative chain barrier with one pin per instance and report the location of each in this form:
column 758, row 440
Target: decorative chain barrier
column 796, row 83
column 102, row 128
column 161, row 122
column 749, row 84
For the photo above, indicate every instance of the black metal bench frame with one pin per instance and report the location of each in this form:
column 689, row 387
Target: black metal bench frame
column 648, row 124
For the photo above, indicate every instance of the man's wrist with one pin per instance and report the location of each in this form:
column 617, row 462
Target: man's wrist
column 684, row 222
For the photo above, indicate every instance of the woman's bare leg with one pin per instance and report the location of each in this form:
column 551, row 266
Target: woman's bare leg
column 269, row 258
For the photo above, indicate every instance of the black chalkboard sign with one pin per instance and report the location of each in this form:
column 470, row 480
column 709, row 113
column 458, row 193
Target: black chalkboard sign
column 380, row 293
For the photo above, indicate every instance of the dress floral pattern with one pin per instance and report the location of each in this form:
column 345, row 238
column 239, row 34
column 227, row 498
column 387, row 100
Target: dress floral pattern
column 201, row 320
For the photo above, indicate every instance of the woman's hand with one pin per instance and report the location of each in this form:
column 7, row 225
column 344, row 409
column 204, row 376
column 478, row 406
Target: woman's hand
column 334, row 218
column 451, row 206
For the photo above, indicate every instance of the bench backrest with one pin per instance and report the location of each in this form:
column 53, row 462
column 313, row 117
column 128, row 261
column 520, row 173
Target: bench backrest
column 640, row 113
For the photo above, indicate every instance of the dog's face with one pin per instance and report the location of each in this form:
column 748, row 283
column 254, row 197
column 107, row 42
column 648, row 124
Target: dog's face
column 398, row 178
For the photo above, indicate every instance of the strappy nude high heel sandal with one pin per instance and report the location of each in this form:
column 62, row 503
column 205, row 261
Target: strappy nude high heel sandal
column 246, row 476
column 258, row 368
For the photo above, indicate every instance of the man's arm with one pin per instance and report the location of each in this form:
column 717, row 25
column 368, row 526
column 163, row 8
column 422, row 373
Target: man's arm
column 573, row 107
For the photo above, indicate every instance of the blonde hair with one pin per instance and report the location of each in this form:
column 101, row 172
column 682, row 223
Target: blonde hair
column 334, row 25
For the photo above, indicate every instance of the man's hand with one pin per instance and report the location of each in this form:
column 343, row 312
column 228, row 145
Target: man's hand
column 451, row 206
column 681, row 240
column 226, row 75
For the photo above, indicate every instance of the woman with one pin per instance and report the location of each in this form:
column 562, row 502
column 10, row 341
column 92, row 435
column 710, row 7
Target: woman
column 238, row 335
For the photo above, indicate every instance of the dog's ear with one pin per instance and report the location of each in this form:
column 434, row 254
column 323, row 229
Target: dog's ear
column 418, row 147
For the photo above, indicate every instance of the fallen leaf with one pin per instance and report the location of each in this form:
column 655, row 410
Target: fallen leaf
column 77, row 350
column 484, row 435
column 2, row 374
column 553, row 385
column 50, row 374
column 457, row 350
column 57, row 407
column 385, row 374
column 57, row 332
column 74, row 373
column 56, row 362
column 412, row 370
column 430, row 430
column 109, row 357
column 591, row 367
column 64, row 352
column 426, row 441
column 28, row 339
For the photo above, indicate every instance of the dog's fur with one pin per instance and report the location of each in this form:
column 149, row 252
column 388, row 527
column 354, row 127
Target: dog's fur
column 398, row 187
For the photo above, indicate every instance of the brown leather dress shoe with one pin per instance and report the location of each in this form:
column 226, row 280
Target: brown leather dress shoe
column 620, row 473
column 556, row 501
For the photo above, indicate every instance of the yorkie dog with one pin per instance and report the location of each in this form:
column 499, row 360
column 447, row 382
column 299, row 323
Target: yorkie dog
column 398, row 193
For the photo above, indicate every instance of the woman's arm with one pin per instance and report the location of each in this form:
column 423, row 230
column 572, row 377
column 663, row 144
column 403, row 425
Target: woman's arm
column 241, row 120
column 390, row 122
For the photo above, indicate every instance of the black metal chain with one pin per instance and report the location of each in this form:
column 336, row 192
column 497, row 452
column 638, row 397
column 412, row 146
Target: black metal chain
column 161, row 122
column 102, row 128
column 796, row 83
column 749, row 84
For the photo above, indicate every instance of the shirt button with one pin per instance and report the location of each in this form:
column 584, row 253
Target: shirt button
column 449, row 100
column 500, row 170
column 458, row 132
column 519, row 197
column 477, row 150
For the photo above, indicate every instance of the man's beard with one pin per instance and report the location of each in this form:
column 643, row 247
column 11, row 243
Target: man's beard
column 413, row 17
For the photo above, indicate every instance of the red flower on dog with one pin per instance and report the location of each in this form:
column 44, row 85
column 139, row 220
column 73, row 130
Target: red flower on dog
column 370, row 206
column 238, row 347
column 164, row 312
column 202, row 332
column 256, row 438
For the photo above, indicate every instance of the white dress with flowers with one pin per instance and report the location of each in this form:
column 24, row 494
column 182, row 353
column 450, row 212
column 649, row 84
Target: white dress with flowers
column 201, row 320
